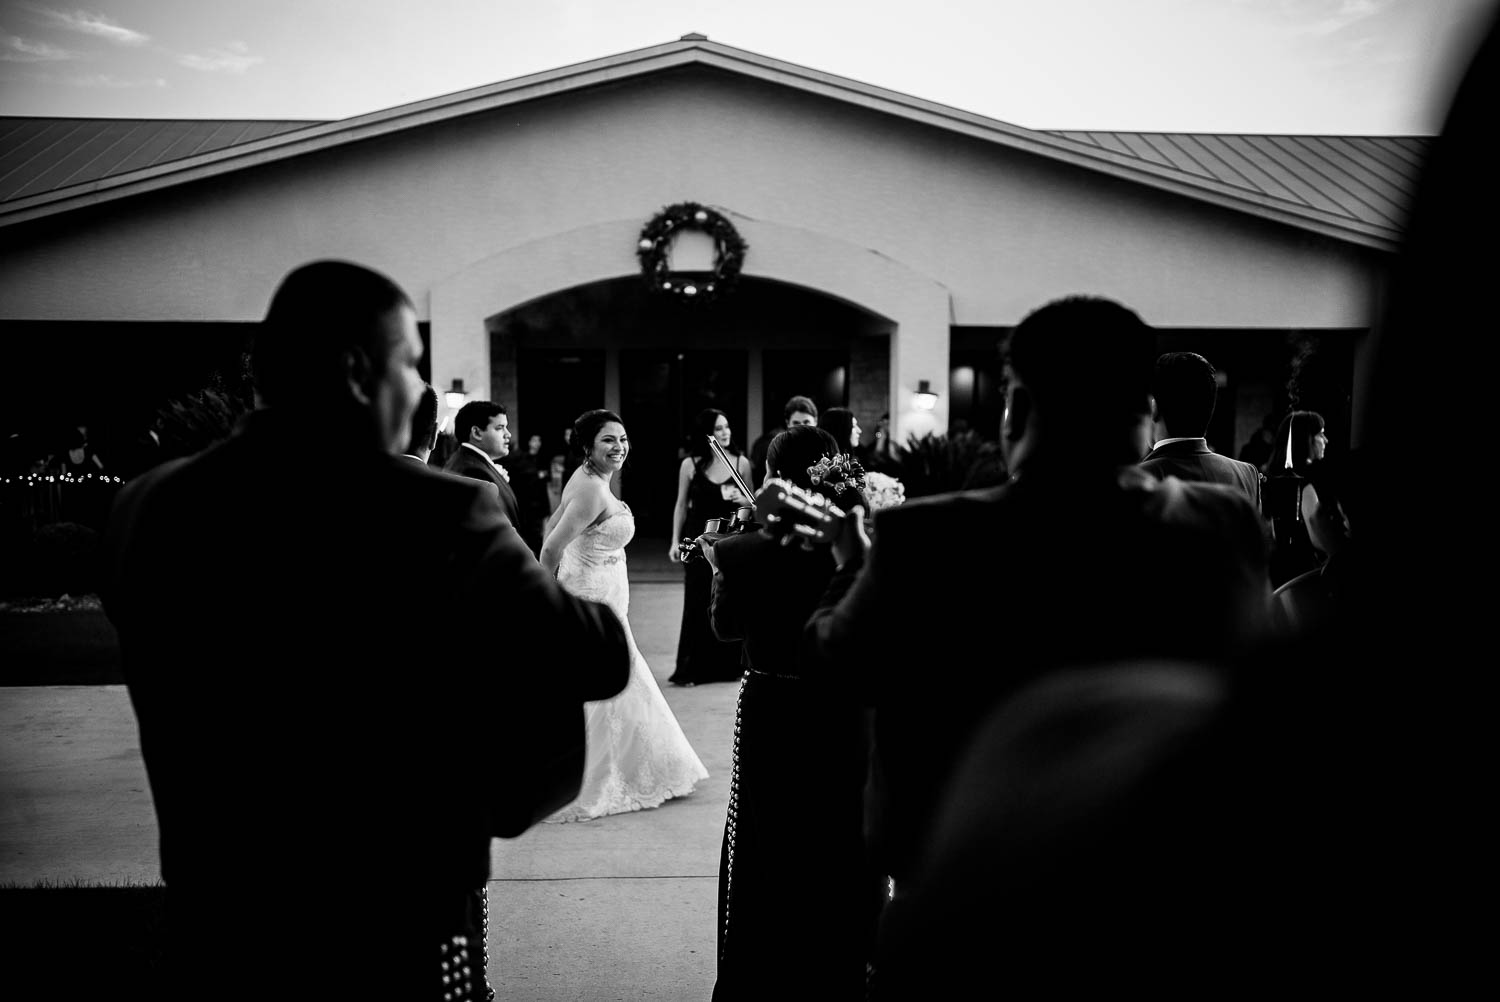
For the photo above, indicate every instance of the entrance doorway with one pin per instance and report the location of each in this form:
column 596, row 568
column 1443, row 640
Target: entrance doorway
column 560, row 384
column 819, row 373
column 664, row 361
column 662, row 390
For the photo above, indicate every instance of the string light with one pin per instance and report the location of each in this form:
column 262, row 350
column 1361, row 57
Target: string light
column 33, row 479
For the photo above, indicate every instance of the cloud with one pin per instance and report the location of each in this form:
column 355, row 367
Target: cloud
column 1347, row 12
column 15, row 49
column 87, row 23
column 233, row 58
column 111, row 82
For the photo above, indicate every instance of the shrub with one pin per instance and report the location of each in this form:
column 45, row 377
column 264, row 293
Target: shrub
column 938, row 464
column 192, row 423
column 63, row 560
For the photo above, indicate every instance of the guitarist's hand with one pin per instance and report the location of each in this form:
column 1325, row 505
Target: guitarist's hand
column 852, row 540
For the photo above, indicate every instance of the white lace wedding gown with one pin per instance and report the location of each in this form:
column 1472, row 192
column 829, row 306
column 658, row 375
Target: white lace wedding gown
column 638, row 756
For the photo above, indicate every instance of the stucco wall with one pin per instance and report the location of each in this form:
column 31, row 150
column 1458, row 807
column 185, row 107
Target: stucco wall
column 1002, row 231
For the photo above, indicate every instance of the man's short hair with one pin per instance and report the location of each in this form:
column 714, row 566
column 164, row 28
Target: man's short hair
column 803, row 404
column 319, row 312
column 475, row 414
column 1086, row 362
column 1184, row 388
column 424, row 420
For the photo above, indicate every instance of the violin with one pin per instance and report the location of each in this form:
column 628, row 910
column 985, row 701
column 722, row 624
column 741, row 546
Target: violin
column 715, row 529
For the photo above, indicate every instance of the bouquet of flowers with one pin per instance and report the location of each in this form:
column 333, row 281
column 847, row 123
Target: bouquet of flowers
column 882, row 491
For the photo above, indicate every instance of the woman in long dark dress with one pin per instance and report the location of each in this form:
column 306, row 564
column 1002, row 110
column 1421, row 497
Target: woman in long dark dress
column 705, row 490
column 1300, row 441
column 797, row 904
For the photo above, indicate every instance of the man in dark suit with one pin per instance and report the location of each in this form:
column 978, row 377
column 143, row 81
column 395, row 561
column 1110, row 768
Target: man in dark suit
column 326, row 783
column 1071, row 562
column 482, row 429
column 1183, row 391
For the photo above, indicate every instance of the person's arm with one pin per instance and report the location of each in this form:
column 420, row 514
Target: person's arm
column 844, row 634
column 725, row 600
column 679, row 512
column 497, row 576
column 581, row 504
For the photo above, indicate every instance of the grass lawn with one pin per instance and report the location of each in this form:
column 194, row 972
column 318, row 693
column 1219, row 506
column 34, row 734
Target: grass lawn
column 73, row 940
column 58, row 642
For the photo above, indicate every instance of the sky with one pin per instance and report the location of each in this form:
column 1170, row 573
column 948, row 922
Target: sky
column 1350, row 67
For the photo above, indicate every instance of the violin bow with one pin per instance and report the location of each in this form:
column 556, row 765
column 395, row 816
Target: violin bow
column 738, row 481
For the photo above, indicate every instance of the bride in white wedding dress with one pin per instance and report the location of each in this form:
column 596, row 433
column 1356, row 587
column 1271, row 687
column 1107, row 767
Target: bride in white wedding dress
column 638, row 756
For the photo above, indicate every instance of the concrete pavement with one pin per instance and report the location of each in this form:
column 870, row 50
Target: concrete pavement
column 621, row 907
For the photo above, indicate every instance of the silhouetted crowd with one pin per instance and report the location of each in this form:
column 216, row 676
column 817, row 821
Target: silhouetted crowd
column 1172, row 724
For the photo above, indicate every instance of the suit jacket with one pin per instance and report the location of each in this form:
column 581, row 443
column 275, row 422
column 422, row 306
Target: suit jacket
column 1194, row 460
column 487, row 488
column 468, row 463
column 297, row 729
column 1054, row 569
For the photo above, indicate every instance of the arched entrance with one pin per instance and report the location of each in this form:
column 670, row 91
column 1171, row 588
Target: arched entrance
column 915, row 309
column 659, row 362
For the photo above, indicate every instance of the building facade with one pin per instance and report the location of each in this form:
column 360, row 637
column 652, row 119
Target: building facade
column 890, row 240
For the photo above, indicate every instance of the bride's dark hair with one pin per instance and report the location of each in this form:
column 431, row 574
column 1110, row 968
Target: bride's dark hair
column 586, row 429
column 794, row 450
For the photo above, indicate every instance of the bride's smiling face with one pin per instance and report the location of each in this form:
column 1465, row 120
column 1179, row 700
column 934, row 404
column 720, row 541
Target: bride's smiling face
column 611, row 446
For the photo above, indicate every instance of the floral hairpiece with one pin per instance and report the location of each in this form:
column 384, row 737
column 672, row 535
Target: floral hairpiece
column 841, row 472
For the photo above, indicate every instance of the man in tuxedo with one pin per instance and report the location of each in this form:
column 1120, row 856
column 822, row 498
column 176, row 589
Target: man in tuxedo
column 326, row 783
column 1183, row 391
column 1081, row 557
column 482, row 429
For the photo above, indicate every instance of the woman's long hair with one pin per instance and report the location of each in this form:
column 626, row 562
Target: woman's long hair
column 1292, row 447
column 839, row 422
column 703, row 429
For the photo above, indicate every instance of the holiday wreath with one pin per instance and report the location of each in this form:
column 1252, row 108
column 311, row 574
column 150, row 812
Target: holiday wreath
column 656, row 242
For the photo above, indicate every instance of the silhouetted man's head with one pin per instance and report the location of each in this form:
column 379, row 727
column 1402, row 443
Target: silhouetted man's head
column 340, row 343
column 424, row 423
column 1078, row 373
column 1183, row 389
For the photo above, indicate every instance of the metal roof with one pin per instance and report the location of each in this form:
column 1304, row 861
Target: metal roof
column 1369, row 179
column 1350, row 188
column 40, row 155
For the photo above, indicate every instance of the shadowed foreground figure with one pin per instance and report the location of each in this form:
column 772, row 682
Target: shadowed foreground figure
column 325, row 781
column 1081, row 557
column 1309, row 824
column 797, row 904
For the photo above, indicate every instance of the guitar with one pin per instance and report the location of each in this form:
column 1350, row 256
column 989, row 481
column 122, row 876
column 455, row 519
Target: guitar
column 786, row 509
